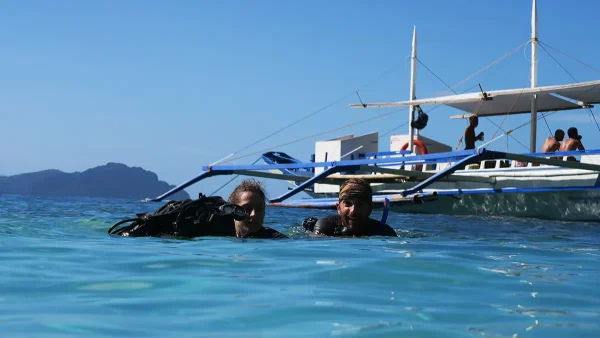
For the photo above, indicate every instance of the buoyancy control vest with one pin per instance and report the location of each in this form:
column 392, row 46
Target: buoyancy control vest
column 206, row 216
column 309, row 223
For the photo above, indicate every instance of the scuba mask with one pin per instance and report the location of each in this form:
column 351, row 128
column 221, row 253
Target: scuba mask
column 236, row 211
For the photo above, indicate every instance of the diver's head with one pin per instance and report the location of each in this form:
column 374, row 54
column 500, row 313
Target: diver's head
column 251, row 196
column 355, row 204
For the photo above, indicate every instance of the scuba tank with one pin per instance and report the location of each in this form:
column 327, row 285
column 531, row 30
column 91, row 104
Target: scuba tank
column 206, row 216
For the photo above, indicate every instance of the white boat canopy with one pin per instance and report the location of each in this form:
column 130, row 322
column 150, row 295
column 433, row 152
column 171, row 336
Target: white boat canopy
column 511, row 101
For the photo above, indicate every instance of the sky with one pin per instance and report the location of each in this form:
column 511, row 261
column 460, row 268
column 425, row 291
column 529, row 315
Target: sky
column 171, row 86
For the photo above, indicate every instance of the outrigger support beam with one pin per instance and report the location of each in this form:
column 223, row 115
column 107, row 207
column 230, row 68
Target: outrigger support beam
column 250, row 173
column 341, row 165
column 446, row 172
column 420, row 174
column 462, row 159
column 542, row 160
column 493, row 155
column 286, row 177
column 316, row 178
column 378, row 201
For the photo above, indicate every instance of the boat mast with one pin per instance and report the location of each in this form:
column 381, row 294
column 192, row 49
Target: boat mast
column 534, row 45
column 413, row 84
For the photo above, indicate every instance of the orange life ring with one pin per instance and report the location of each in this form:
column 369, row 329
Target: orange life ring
column 421, row 146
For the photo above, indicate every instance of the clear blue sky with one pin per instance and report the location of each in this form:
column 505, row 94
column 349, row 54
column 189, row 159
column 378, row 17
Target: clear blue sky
column 174, row 85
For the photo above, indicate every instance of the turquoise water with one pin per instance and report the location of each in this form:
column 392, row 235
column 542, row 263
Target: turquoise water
column 62, row 276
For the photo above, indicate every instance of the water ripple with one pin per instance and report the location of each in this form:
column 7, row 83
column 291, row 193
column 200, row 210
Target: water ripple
column 63, row 276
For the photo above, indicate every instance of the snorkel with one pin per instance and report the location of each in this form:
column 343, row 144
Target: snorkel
column 386, row 210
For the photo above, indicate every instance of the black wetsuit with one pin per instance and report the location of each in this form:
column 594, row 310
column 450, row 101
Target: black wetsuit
column 332, row 226
column 264, row 232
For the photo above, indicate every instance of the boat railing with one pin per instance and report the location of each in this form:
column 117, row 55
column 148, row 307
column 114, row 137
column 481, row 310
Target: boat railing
column 421, row 163
column 591, row 156
column 384, row 153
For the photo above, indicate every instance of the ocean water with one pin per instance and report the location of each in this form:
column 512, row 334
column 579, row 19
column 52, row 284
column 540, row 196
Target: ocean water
column 62, row 275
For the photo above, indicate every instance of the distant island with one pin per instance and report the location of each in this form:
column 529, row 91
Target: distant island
column 110, row 180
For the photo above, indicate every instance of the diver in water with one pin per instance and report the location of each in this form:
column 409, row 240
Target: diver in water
column 354, row 208
column 242, row 216
column 250, row 195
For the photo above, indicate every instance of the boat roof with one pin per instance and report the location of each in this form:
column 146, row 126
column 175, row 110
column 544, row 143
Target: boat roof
column 511, row 101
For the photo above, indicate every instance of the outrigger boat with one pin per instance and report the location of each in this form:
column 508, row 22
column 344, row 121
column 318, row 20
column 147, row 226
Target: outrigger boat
column 420, row 175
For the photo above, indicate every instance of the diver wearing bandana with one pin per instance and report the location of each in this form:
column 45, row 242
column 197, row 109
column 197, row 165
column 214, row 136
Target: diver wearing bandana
column 354, row 208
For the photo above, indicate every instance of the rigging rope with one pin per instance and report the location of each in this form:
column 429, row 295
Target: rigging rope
column 231, row 180
column 486, row 67
column 315, row 135
column 542, row 115
column 509, row 110
column 228, row 159
column 549, row 130
column 590, row 109
column 391, row 130
column 437, row 77
column 382, row 75
column 487, row 118
column 558, row 63
column 561, row 66
column 570, row 57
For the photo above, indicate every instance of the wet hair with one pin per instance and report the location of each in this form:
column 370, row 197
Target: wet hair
column 248, row 185
column 356, row 187
column 559, row 132
column 572, row 132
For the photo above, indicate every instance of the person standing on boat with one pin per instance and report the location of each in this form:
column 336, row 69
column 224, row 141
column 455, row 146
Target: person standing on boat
column 572, row 143
column 251, row 196
column 354, row 208
column 552, row 144
column 469, row 135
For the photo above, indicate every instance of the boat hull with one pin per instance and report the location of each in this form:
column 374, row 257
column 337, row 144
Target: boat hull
column 563, row 205
column 542, row 192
